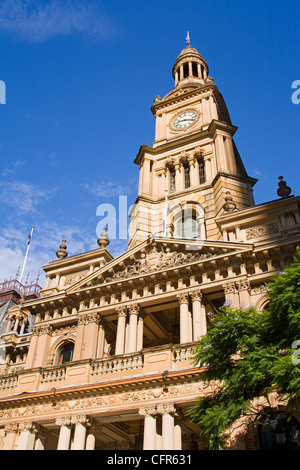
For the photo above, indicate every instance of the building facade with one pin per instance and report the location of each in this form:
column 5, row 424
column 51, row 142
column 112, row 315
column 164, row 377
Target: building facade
column 108, row 362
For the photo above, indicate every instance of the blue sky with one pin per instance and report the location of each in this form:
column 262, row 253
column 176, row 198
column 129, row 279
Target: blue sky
column 80, row 80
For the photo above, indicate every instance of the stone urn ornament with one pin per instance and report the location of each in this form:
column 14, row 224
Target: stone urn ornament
column 62, row 252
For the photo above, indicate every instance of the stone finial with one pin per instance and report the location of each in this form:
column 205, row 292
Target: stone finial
column 103, row 240
column 283, row 190
column 229, row 205
column 62, row 252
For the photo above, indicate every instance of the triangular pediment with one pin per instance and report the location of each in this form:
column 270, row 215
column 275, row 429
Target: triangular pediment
column 181, row 91
column 157, row 255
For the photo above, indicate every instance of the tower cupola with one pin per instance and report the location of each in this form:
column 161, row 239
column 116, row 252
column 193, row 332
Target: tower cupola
column 189, row 67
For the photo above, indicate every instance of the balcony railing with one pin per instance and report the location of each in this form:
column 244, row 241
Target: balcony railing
column 157, row 358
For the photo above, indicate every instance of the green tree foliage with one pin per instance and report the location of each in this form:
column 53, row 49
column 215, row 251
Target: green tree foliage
column 249, row 353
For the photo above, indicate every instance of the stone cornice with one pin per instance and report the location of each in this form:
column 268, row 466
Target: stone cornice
column 188, row 91
column 112, row 386
column 272, row 206
column 174, row 143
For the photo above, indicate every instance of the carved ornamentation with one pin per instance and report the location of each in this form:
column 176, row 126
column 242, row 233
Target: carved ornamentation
column 39, row 330
column 261, row 230
column 183, row 298
column 91, row 317
column 156, row 260
column 72, row 278
column 106, row 400
column 243, row 284
column 196, row 295
column 11, row 428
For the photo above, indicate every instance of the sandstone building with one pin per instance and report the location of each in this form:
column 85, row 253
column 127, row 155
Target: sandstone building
column 107, row 363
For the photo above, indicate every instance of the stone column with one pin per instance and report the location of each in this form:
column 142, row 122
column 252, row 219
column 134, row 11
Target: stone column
column 133, row 318
column 185, row 336
column 11, row 433
column 168, row 420
column 79, row 339
column 23, row 326
column 121, row 327
column 90, row 441
column 81, row 422
column 28, row 431
column 244, row 292
column 199, row 315
column 140, row 331
column 39, row 346
column 93, row 428
column 91, row 322
column 64, row 433
column 177, row 177
column 193, row 171
column 231, row 294
column 8, row 326
column 40, row 441
column 178, row 432
column 101, row 339
column 149, row 413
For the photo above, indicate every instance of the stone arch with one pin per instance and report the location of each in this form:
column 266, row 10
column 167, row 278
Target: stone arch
column 262, row 302
column 58, row 344
column 188, row 217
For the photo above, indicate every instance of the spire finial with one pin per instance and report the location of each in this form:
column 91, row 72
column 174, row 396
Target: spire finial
column 187, row 39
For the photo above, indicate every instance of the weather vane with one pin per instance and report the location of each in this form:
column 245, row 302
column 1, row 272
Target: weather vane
column 187, row 39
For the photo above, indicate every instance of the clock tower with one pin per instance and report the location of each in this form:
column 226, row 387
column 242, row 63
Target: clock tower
column 193, row 172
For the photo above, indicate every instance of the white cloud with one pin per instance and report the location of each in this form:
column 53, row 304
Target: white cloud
column 36, row 21
column 21, row 196
column 45, row 242
column 13, row 167
column 109, row 189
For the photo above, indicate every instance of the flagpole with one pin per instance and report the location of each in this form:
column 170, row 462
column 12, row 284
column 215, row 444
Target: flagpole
column 28, row 245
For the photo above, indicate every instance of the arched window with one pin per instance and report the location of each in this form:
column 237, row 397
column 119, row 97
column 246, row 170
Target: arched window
column 187, row 181
column 65, row 353
column 172, row 180
column 188, row 221
column 195, row 69
column 201, row 165
column 279, row 432
column 188, row 225
column 185, row 70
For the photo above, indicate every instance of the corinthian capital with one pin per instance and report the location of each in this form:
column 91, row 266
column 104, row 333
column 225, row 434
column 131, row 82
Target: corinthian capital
column 121, row 311
column 166, row 408
column 196, row 295
column 134, row 309
column 148, row 411
column 29, row 426
column 183, row 298
column 82, row 419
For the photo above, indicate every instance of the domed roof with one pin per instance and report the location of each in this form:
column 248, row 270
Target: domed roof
column 188, row 52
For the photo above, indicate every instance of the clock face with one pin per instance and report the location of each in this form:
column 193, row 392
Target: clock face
column 185, row 120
